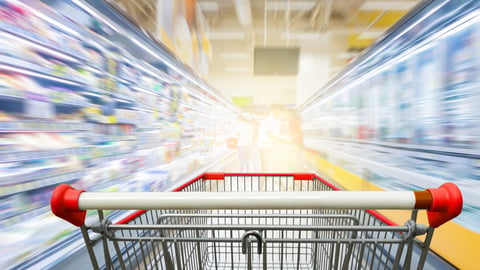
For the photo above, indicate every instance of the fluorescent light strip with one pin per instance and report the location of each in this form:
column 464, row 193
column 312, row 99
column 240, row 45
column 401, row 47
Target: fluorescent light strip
column 387, row 5
column 370, row 34
column 302, row 36
column 226, row 35
column 74, row 33
column 46, row 18
column 464, row 22
column 237, row 69
column 208, row 6
column 122, row 100
column 244, row 12
column 374, row 54
column 417, row 22
column 92, row 69
column 43, row 48
column 141, row 109
column 196, row 95
column 235, row 55
column 141, row 45
column 348, row 55
column 93, row 94
column 34, row 74
column 85, row 7
column 290, row 5
column 140, row 89
column 163, row 77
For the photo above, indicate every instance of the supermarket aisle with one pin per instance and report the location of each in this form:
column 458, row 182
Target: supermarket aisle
column 281, row 158
column 79, row 106
column 82, row 105
column 271, row 141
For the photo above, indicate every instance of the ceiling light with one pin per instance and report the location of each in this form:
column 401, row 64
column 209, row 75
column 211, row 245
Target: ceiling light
column 348, row 55
column 297, row 5
column 336, row 69
column 237, row 69
column 208, row 6
column 390, row 5
column 235, row 55
column 370, row 34
column 302, row 36
column 244, row 12
column 226, row 35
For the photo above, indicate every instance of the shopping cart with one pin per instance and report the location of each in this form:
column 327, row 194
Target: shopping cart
column 257, row 221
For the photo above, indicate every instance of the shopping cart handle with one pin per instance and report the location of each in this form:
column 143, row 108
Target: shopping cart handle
column 447, row 203
column 64, row 204
column 442, row 204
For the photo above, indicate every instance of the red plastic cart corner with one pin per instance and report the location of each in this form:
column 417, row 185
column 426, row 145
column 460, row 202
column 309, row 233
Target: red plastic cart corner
column 447, row 204
column 64, row 204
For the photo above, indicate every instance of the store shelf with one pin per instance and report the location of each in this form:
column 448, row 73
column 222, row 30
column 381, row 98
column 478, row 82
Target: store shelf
column 15, row 65
column 55, row 22
column 124, row 80
column 161, row 166
column 101, row 160
column 110, row 183
column 32, row 181
column 146, row 146
column 23, row 216
column 123, row 97
column 142, row 89
column 37, row 155
column 22, row 64
column 41, row 48
column 38, row 40
column 43, row 126
column 209, row 166
column 96, row 92
column 93, row 68
column 412, row 168
column 383, row 168
column 104, row 166
column 111, row 138
column 421, row 150
column 12, row 95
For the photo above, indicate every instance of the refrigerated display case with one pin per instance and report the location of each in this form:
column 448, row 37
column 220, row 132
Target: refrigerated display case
column 80, row 103
column 414, row 95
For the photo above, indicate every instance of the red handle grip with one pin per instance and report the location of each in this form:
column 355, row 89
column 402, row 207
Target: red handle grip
column 447, row 204
column 64, row 204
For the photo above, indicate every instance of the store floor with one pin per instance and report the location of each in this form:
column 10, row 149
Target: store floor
column 278, row 158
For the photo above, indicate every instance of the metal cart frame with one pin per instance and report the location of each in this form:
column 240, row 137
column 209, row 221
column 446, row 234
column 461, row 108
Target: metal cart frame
column 257, row 221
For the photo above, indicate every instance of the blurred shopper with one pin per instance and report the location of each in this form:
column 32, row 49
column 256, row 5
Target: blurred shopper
column 296, row 136
column 269, row 135
column 246, row 144
column 281, row 141
column 295, row 132
column 255, row 153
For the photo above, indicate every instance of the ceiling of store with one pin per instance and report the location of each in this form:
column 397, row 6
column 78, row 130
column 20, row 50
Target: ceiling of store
column 329, row 33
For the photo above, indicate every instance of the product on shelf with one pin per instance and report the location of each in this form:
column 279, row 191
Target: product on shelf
column 80, row 110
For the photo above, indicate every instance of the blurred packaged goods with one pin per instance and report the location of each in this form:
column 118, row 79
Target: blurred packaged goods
column 77, row 108
column 405, row 115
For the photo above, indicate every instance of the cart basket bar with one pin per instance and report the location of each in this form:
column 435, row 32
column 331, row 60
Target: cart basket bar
column 442, row 204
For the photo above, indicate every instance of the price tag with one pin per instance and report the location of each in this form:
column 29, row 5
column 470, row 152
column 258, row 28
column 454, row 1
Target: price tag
column 39, row 109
